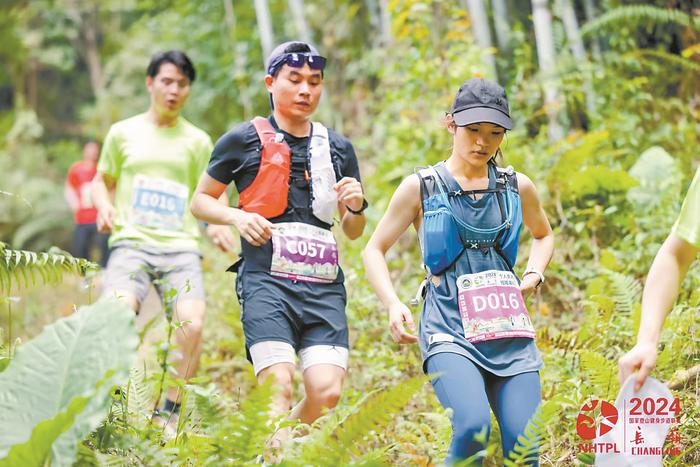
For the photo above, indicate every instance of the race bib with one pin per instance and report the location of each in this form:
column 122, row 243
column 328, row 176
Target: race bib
column 86, row 196
column 158, row 203
column 492, row 306
column 304, row 252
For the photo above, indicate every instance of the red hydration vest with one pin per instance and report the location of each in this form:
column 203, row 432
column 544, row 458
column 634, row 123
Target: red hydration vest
column 267, row 195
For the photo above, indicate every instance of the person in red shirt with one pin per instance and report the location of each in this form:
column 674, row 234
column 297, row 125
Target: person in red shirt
column 77, row 194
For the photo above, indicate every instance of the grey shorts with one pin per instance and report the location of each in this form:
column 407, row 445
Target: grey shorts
column 133, row 270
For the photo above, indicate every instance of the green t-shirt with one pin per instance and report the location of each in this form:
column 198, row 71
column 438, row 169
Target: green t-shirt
column 687, row 226
column 157, row 170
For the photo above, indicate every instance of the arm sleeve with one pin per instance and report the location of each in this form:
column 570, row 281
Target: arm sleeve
column 687, row 225
column 227, row 159
column 111, row 157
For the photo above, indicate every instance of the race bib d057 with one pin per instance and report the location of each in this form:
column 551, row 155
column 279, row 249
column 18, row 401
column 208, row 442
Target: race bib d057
column 492, row 306
column 304, row 252
column 158, row 203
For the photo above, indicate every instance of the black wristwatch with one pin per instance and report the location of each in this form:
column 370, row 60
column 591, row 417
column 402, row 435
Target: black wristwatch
column 359, row 211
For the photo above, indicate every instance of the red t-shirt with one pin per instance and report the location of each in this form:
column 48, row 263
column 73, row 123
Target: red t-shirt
column 80, row 175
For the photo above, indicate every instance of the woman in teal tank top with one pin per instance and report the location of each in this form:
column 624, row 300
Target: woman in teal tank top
column 475, row 330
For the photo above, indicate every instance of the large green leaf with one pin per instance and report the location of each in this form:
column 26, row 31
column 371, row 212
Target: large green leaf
column 38, row 447
column 77, row 358
column 659, row 179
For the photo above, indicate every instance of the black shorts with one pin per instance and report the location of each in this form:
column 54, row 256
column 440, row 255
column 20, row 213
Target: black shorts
column 85, row 237
column 302, row 314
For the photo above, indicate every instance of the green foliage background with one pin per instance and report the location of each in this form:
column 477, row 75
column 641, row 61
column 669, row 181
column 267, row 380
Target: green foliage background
column 611, row 187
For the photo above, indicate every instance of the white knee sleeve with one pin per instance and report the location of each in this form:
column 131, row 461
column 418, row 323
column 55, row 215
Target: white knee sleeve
column 323, row 354
column 268, row 353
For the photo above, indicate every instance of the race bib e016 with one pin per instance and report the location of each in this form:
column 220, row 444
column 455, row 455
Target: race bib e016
column 492, row 306
column 158, row 203
column 304, row 252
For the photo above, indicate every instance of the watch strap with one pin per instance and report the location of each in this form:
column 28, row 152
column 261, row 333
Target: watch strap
column 359, row 211
column 534, row 271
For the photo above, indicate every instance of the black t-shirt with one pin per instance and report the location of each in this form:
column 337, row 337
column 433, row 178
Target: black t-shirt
column 236, row 158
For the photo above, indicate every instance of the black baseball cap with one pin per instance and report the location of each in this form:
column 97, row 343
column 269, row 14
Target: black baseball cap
column 481, row 100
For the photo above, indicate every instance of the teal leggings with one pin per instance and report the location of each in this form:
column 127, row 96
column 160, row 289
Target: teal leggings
column 469, row 390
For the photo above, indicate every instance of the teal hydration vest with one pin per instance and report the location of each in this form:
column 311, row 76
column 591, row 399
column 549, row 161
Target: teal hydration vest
column 445, row 236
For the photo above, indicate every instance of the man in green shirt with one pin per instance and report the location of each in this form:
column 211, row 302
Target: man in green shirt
column 662, row 285
column 148, row 170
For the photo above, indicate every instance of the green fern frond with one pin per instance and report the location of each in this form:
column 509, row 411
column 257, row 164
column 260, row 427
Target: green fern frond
column 21, row 268
column 374, row 458
column 636, row 316
column 678, row 60
column 627, row 291
column 141, row 451
column 566, row 341
column 110, row 460
column 138, row 394
column 666, row 358
column 131, row 402
column 678, row 351
column 601, row 373
column 526, row 450
column 337, row 446
column 243, row 435
column 206, row 410
column 638, row 14
column 598, row 308
column 86, row 457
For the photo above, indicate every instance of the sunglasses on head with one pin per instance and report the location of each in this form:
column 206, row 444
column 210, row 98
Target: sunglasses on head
column 297, row 60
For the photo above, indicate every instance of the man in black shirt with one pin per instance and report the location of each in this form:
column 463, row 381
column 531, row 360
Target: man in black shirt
column 289, row 283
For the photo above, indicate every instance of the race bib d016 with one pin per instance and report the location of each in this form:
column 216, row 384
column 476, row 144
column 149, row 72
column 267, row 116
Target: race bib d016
column 158, row 203
column 304, row 252
column 492, row 306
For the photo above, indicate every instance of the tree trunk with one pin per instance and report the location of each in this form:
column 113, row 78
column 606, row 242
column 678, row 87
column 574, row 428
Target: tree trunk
column 500, row 22
column 92, row 52
column 542, row 19
column 568, row 17
column 89, row 26
column 229, row 17
column 32, row 85
column 262, row 14
column 385, row 22
column 573, row 35
column 373, row 11
column 296, row 8
column 237, row 61
column 589, row 10
column 482, row 33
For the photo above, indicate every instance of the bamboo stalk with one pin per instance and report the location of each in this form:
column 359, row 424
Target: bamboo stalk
column 682, row 377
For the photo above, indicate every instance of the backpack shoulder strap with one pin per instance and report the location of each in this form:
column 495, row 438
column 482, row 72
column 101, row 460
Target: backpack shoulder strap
column 507, row 175
column 428, row 178
column 442, row 175
column 319, row 142
column 318, row 129
column 264, row 128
